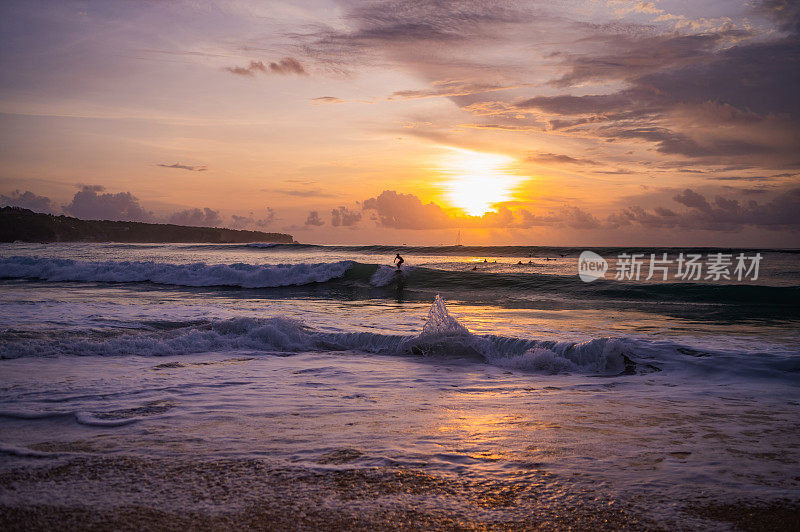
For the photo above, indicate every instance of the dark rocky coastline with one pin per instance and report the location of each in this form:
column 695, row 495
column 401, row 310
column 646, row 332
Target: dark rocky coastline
column 17, row 224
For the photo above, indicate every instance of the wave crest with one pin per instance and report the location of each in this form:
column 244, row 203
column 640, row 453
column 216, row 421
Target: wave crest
column 197, row 274
column 282, row 335
column 442, row 336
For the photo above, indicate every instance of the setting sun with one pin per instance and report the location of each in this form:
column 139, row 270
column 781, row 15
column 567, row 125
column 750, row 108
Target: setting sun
column 477, row 181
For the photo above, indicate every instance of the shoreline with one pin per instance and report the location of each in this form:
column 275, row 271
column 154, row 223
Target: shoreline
column 135, row 493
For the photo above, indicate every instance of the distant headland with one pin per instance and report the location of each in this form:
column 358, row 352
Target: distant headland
column 17, row 224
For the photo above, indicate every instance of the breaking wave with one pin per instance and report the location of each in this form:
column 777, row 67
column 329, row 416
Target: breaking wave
column 283, row 336
column 442, row 337
column 466, row 284
column 197, row 274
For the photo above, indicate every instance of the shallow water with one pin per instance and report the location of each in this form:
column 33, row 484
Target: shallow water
column 661, row 395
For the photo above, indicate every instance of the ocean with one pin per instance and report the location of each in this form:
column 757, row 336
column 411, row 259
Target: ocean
column 480, row 387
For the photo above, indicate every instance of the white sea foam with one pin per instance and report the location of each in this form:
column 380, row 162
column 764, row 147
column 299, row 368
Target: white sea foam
column 81, row 417
column 539, row 359
column 197, row 274
column 442, row 336
column 87, row 418
column 385, row 275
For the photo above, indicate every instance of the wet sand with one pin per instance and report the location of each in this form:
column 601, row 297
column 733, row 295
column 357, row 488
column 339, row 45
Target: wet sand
column 133, row 493
column 137, row 494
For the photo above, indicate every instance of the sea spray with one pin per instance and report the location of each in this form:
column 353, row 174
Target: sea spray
column 443, row 336
column 386, row 275
column 441, row 322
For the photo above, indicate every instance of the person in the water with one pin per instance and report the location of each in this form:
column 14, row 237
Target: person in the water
column 399, row 260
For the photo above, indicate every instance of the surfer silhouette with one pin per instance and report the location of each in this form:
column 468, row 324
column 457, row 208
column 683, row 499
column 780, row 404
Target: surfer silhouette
column 399, row 260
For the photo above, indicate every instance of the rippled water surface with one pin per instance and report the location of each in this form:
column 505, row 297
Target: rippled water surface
column 659, row 394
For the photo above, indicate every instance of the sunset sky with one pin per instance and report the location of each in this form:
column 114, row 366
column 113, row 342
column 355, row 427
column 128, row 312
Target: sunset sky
column 597, row 122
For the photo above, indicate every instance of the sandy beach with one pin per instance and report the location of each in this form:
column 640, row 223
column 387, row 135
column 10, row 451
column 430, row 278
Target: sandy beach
column 139, row 494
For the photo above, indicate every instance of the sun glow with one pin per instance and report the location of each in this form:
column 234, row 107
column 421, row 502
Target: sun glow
column 477, row 181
